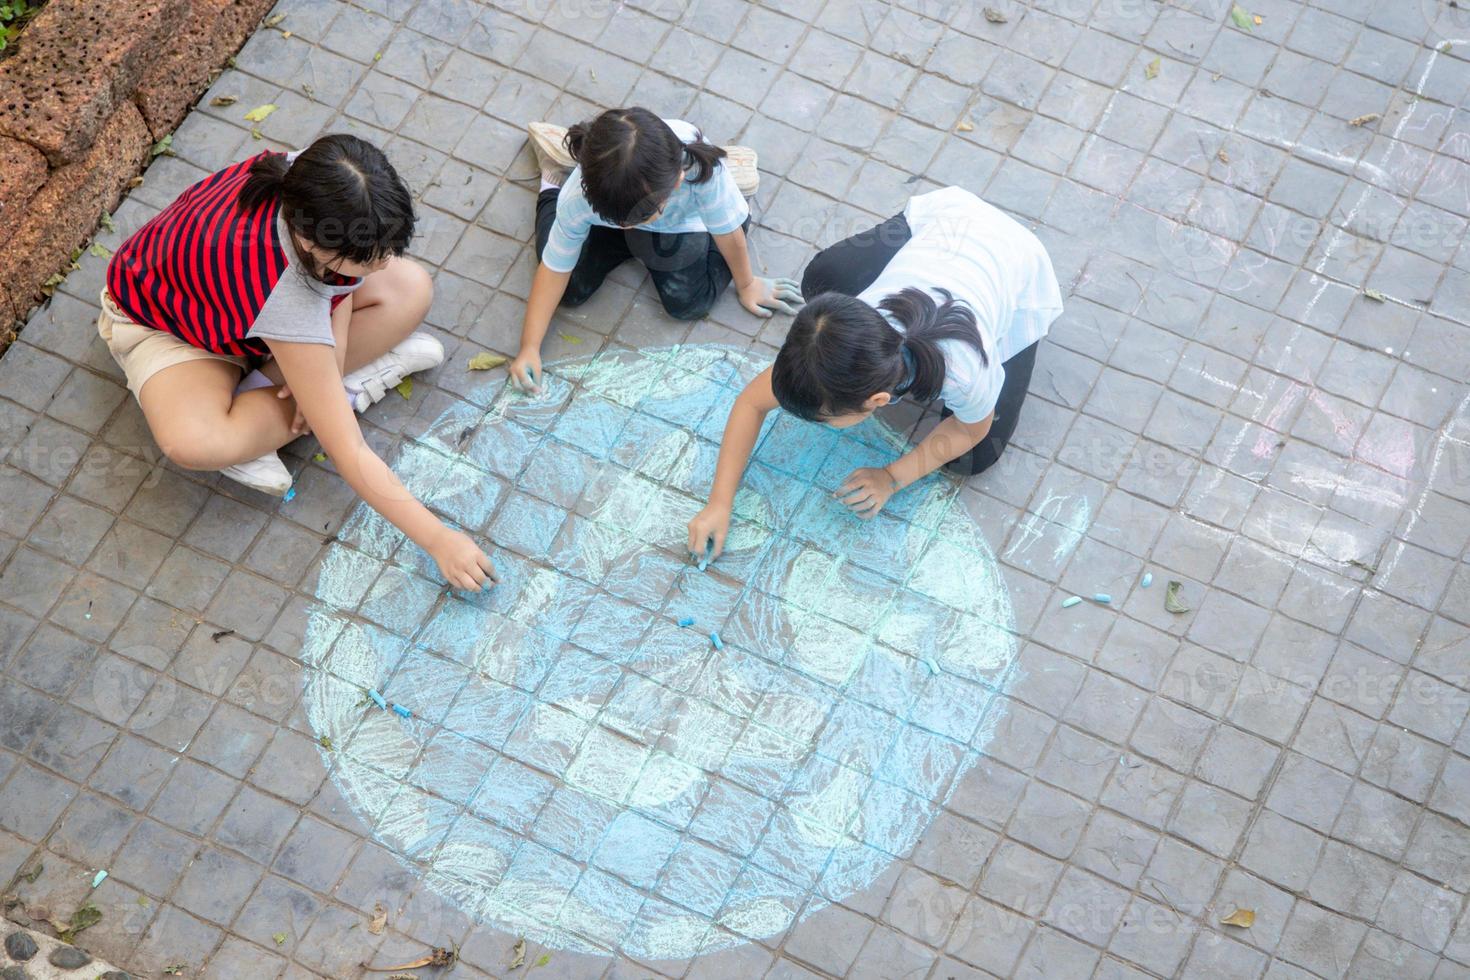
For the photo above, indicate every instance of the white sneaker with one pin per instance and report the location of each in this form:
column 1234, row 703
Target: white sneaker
column 742, row 163
column 266, row 474
column 548, row 142
column 369, row 383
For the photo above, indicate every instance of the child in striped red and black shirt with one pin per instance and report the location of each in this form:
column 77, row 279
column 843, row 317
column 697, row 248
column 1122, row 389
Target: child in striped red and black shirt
column 273, row 298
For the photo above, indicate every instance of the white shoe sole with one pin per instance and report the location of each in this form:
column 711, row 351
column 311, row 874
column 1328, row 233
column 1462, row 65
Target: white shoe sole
column 260, row 474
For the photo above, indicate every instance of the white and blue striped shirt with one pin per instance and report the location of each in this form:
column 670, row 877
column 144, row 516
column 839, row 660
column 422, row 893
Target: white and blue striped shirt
column 714, row 205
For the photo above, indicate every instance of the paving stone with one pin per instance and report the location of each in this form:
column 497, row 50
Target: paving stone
column 1132, row 752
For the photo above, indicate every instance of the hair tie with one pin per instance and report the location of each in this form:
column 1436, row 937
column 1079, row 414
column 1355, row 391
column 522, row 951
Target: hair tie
column 910, row 371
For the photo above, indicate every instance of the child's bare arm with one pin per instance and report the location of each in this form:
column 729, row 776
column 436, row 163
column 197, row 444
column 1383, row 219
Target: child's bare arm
column 741, row 431
column 311, row 371
column 758, row 295
column 547, row 288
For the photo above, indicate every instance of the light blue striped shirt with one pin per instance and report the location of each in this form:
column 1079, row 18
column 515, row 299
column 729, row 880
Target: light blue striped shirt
column 715, row 206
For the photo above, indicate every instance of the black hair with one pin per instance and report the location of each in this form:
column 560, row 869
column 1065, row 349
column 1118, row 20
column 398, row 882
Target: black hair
column 840, row 351
column 631, row 162
column 340, row 195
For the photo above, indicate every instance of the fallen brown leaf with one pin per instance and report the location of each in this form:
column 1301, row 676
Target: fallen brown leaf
column 380, row 920
column 485, row 361
column 1242, row 918
column 437, row 957
column 1364, row 120
column 519, row 959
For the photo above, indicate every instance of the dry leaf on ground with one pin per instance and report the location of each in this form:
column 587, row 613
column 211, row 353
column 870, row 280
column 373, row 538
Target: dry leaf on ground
column 1242, row 918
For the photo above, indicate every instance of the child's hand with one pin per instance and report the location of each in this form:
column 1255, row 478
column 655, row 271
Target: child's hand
column 765, row 296
column 462, row 563
column 525, row 370
column 867, row 490
column 710, row 524
column 299, row 426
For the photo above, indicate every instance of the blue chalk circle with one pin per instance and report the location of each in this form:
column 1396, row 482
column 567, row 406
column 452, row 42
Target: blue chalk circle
column 1148, row 579
column 585, row 772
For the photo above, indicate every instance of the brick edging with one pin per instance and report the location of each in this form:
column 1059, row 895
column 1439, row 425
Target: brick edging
column 87, row 95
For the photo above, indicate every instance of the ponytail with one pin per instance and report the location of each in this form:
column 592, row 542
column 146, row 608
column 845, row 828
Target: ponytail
column 265, row 181
column 925, row 323
column 576, row 140
column 701, row 159
column 840, row 351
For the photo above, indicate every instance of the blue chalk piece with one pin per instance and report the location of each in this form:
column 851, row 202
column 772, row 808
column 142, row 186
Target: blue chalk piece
column 99, row 878
column 1148, row 579
column 378, row 699
column 686, row 621
column 290, row 495
column 715, row 639
column 1071, row 601
column 401, row 711
column 1102, row 597
column 703, row 564
column 933, row 667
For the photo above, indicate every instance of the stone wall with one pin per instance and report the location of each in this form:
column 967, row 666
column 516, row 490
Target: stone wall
column 92, row 85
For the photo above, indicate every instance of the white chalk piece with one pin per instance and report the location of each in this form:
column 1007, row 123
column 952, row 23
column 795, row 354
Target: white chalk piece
column 933, row 667
column 1148, row 579
column 1071, row 601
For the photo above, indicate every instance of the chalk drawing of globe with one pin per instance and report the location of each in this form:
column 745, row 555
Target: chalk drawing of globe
column 580, row 769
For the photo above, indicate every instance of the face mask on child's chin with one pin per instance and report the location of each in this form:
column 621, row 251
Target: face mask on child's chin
column 320, row 261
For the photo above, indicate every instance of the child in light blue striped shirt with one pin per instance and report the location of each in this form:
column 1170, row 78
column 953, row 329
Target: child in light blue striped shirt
column 647, row 188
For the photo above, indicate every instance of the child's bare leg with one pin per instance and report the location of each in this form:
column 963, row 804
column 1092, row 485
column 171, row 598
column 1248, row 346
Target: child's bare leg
column 200, row 424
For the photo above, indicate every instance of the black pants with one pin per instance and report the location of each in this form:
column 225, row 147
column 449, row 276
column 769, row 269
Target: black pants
column 853, row 264
column 687, row 269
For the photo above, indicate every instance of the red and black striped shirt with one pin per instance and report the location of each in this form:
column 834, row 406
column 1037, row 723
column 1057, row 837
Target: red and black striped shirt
column 203, row 268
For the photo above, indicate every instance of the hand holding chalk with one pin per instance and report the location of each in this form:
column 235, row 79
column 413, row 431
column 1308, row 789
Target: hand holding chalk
column 525, row 370
column 707, row 532
column 461, row 562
